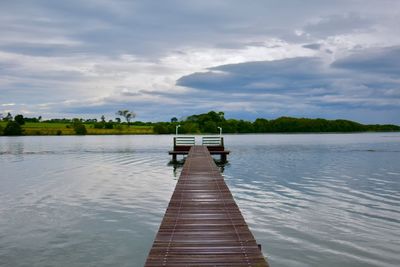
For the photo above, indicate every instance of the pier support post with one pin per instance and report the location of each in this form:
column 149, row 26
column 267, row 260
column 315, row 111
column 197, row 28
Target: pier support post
column 223, row 157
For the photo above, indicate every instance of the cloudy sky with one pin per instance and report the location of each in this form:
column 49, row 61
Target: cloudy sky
column 259, row 58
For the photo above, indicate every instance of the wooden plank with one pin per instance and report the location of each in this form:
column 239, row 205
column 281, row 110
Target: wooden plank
column 203, row 225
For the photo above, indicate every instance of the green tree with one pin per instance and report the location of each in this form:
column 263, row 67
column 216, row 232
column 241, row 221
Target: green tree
column 261, row 125
column 8, row 117
column 189, row 127
column 109, row 125
column 244, row 127
column 174, row 119
column 128, row 115
column 210, row 127
column 216, row 117
column 12, row 128
column 229, row 126
column 161, row 128
column 79, row 127
column 19, row 119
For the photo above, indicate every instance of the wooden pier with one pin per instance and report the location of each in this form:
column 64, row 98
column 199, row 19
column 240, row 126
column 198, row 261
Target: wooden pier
column 203, row 225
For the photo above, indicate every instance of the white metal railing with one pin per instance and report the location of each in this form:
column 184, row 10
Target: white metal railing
column 184, row 141
column 212, row 141
column 206, row 141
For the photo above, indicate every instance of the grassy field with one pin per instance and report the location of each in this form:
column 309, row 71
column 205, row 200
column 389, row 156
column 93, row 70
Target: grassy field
column 45, row 128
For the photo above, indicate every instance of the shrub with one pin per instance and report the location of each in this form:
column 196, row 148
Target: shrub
column 108, row 125
column 160, row 128
column 13, row 128
column 1, row 130
column 59, row 132
column 19, row 119
column 98, row 125
column 79, row 128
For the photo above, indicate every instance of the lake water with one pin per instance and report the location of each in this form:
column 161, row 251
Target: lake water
column 310, row 200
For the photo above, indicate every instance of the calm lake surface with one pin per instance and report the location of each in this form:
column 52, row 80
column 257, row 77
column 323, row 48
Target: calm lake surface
column 310, row 200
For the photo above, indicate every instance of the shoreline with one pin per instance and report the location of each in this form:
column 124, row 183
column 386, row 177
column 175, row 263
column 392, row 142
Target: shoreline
column 202, row 134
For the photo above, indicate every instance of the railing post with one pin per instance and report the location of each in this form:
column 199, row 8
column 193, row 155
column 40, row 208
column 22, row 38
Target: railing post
column 176, row 129
column 222, row 141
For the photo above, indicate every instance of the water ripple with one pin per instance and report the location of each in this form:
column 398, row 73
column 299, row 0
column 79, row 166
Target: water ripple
column 338, row 204
column 310, row 200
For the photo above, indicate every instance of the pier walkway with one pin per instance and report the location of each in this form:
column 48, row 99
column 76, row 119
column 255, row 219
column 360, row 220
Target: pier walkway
column 203, row 225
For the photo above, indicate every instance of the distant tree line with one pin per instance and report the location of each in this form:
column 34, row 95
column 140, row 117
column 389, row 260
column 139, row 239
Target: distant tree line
column 203, row 123
column 209, row 123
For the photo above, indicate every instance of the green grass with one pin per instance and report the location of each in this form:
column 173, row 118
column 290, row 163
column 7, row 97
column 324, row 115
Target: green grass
column 46, row 128
column 45, row 125
column 123, row 129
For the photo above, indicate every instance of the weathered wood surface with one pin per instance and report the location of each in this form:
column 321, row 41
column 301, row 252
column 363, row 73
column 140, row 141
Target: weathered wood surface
column 203, row 225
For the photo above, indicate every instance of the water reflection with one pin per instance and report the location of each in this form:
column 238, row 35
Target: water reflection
column 326, row 203
column 177, row 166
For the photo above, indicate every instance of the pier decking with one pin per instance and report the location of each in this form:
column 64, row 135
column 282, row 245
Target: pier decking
column 203, row 225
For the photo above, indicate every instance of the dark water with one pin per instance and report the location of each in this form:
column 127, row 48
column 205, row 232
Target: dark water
column 310, row 200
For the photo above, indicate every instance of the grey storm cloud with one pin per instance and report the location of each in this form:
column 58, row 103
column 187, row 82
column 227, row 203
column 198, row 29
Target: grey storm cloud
column 312, row 46
column 382, row 60
column 259, row 76
column 352, row 82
